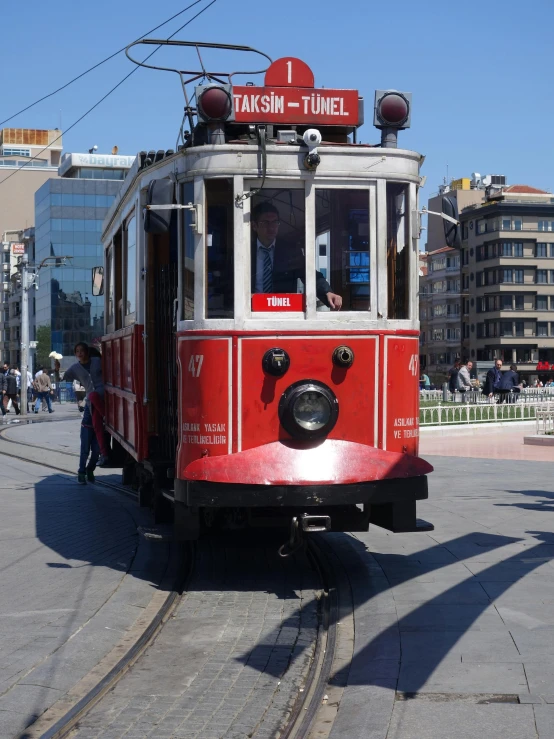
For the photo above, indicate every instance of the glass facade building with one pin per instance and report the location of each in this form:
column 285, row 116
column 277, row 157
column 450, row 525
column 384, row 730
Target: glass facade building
column 69, row 213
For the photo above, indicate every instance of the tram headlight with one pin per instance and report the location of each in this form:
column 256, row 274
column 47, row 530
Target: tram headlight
column 308, row 409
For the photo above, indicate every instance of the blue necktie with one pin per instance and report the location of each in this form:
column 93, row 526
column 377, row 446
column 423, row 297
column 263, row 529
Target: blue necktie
column 268, row 272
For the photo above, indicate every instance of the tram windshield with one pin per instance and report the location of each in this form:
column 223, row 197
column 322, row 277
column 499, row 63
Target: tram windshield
column 278, row 236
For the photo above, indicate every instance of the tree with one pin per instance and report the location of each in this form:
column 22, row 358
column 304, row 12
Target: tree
column 44, row 346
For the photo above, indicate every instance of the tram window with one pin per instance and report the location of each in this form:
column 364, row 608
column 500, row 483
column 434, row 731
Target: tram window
column 398, row 252
column 278, row 234
column 109, row 286
column 342, row 245
column 188, row 261
column 219, row 249
column 131, row 268
column 118, row 279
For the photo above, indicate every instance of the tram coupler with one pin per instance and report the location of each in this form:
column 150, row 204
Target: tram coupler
column 306, row 523
column 312, row 523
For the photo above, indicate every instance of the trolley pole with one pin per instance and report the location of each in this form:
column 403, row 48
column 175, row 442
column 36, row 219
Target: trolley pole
column 24, row 331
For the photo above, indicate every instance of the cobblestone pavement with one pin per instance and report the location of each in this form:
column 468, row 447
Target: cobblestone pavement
column 455, row 628
column 74, row 575
column 233, row 659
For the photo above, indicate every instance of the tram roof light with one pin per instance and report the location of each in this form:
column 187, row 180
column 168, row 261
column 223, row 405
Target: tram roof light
column 392, row 109
column 214, row 102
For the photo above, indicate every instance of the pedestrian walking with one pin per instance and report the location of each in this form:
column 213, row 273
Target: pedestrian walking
column 509, row 384
column 492, row 381
column 43, row 388
column 11, row 391
column 3, row 386
column 464, row 379
column 90, row 450
column 453, row 376
column 38, row 373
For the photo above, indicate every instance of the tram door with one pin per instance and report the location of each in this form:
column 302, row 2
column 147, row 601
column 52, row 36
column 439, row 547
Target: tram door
column 161, row 381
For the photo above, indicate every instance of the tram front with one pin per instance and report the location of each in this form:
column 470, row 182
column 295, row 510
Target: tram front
column 298, row 332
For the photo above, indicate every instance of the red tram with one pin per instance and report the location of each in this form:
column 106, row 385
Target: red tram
column 261, row 346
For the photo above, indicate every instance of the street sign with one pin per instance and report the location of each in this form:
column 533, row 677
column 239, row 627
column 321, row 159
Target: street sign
column 33, row 345
column 18, row 248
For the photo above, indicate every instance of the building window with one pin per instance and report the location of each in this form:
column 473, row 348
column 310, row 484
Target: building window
column 480, row 331
column 506, row 224
column 506, row 275
column 519, row 302
column 552, row 250
column 464, row 231
column 518, row 276
column 542, row 328
column 541, row 250
column 518, row 249
column 541, row 302
column 16, row 152
column 438, row 334
column 481, row 226
column 519, row 328
column 506, row 302
column 506, row 249
column 541, row 276
column 507, row 328
column 545, row 225
column 518, row 224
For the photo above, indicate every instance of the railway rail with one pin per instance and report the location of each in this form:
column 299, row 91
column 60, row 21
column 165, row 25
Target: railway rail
column 308, row 709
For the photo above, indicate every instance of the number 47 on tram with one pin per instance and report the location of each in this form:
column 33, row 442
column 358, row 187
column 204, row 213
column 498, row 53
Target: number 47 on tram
column 261, row 339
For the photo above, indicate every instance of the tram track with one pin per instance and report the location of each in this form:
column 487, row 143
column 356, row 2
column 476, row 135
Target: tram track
column 305, row 718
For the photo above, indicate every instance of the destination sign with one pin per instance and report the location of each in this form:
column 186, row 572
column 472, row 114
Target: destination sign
column 295, row 105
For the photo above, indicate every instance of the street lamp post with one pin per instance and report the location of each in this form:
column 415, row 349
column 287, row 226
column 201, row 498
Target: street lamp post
column 27, row 281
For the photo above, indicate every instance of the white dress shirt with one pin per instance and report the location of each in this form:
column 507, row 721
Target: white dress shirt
column 260, row 262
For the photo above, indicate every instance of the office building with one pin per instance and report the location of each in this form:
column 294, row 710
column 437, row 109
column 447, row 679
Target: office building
column 508, row 272
column 69, row 213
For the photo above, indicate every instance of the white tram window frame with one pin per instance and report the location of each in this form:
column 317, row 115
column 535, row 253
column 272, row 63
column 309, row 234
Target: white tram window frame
column 129, row 318
column 348, row 316
column 273, row 183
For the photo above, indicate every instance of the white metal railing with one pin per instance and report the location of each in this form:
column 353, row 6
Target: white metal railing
column 490, row 412
column 527, row 395
column 545, row 418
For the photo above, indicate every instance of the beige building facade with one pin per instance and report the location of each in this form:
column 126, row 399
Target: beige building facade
column 28, row 158
column 507, row 270
column 441, row 294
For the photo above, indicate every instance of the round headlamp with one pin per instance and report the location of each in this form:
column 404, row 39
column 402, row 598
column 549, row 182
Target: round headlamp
column 308, row 409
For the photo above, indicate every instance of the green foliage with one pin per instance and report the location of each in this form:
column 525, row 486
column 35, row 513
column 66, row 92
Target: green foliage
column 44, row 346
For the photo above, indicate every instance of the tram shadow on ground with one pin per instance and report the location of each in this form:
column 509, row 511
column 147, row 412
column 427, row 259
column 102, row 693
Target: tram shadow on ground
column 75, row 599
column 403, row 646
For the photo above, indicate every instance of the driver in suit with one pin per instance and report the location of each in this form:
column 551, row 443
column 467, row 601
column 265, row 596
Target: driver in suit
column 277, row 268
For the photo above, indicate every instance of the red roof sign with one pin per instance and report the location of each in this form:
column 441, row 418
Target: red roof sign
column 289, row 96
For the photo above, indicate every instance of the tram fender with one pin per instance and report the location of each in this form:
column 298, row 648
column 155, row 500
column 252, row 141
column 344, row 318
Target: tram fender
column 328, row 462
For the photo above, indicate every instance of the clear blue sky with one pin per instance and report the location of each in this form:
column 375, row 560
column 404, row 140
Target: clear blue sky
column 480, row 73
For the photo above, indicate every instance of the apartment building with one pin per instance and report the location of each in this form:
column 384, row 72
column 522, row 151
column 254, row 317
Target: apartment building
column 507, row 271
column 440, row 298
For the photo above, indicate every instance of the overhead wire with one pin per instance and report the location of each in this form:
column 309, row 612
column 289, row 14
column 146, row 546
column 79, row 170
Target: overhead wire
column 99, row 102
column 99, row 64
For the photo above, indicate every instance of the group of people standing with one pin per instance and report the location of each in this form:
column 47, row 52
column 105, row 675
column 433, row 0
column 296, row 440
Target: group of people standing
column 496, row 383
